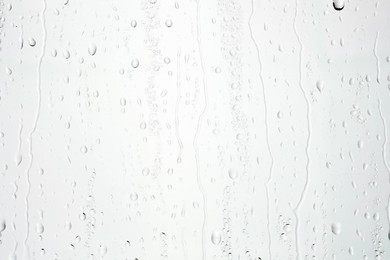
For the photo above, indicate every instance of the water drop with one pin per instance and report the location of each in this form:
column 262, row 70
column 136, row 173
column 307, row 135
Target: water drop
column 40, row 228
column 92, row 49
column 84, row 149
column 2, row 225
column 8, row 71
column 338, row 5
column 216, row 237
column 134, row 196
column 32, row 42
column 336, row 228
column 168, row 23
column 135, row 63
column 66, row 54
column 320, row 85
column 233, row 174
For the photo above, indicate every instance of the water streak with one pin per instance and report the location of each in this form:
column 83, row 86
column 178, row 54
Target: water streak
column 307, row 178
column 377, row 58
column 37, row 114
column 199, row 126
column 384, row 155
column 177, row 107
column 269, row 179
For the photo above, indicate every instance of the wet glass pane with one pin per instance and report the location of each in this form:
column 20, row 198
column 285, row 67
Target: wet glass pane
column 194, row 129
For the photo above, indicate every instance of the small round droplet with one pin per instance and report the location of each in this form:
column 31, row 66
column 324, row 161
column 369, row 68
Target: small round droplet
column 66, row 54
column 2, row 225
column 32, row 42
column 18, row 159
column 338, row 5
column 233, row 174
column 133, row 23
column 168, row 23
column 8, row 71
column 103, row 250
column 40, row 228
column 145, row 171
column 84, row 149
column 135, row 63
column 134, row 196
column 83, row 216
column 216, row 237
column 142, row 125
column 336, row 228
column 287, row 228
column 92, row 49
column 328, row 165
column 320, row 85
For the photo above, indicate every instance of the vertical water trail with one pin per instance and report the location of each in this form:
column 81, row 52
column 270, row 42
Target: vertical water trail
column 377, row 58
column 384, row 155
column 177, row 107
column 37, row 114
column 269, row 179
column 20, row 140
column 307, row 179
column 183, row 244
column 199, row 125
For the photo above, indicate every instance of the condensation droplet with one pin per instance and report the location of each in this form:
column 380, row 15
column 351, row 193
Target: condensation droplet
column 92, row 49
column 2, row 225
column 233, row 174
column 135, row 63
column 40, row 228
column 84, row 149
column 32, row 42
column 216, row 237
column 336, row 228
column 338, row 5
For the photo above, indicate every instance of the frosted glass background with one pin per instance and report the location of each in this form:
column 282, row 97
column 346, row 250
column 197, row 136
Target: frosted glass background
column 194, row 129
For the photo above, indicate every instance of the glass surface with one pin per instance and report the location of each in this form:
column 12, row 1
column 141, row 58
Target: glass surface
column 194, row 129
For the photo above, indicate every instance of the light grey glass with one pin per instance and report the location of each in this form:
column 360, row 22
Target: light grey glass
column 194, row 129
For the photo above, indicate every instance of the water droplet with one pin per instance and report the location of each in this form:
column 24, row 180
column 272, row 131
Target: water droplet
column 133, row 23
column 320, row 85
column 233, row 174
column 142, row 125
column 135, row 63
column 84, row 149
column 32, row 42
column 168, row 23
column 92, row 49
column 18, row 159
column 338, row 5
column 66, row 54
column 328, row 165
column 336, row 228
column 287, row 228
column 40, row 228
column 8, row 71
column 216, row 237
column 2, row 225
column 134, row 196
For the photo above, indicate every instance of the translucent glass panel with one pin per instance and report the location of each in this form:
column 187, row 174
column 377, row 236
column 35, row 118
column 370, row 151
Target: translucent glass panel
column 183, row 129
